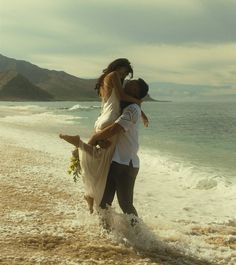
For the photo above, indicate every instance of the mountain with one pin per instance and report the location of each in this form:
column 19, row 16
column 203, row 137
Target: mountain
column 17, row 87
column 58, row 84
column 61, row 85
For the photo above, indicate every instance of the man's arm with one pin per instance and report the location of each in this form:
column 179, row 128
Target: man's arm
column 128, row 118
column 106, row 133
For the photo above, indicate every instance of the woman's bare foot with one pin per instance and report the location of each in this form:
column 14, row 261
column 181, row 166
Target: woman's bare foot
column 90, row 202
column 75, row 140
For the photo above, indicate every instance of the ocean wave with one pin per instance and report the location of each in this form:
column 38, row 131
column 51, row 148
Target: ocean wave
column 189, row 175
column 80, row 107
column 23, row 108
column 176, row 189
column 44, row 119
column 190, row 242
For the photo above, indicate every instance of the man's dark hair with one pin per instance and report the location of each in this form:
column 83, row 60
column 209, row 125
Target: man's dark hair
column 142, row 92
column 143, row 88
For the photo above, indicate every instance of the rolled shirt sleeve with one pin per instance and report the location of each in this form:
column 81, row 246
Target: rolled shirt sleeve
column 129, row 117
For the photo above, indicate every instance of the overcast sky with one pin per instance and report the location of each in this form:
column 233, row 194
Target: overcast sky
column 175, row 41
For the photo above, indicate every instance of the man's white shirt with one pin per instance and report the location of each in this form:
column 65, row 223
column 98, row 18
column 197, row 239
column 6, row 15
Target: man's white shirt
column 127, row 145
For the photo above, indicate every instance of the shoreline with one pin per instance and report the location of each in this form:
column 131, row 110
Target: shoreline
column 44, row 219
column 73, row 100
column 41, row 223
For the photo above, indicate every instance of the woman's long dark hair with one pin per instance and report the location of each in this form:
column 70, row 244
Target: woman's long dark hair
column 113, row 66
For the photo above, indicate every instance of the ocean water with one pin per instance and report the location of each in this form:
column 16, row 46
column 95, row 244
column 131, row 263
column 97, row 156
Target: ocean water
column 198, row 134
column 187, row 178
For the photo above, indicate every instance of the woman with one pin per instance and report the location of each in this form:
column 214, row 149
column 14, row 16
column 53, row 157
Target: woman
column 95, row 162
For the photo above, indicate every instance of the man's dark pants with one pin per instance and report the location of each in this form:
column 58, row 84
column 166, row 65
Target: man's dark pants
column 120, row 180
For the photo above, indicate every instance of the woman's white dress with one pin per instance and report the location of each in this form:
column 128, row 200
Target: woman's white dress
column 95, row 162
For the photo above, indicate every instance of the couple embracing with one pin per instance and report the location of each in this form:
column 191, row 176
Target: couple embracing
column 109, row 162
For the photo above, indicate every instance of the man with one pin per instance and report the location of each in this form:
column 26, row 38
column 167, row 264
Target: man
column 125, row 162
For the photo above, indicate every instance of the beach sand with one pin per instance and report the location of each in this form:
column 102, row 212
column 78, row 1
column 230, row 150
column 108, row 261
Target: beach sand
column 44, row 219
column 38, row 221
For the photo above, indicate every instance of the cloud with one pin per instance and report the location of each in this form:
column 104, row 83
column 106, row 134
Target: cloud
column 159, row 21
column 184, row 41
column 149, row 22
column 196, row 64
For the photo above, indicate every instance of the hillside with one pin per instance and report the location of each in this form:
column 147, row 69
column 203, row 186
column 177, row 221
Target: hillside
column 61, row 85
column 17, row 87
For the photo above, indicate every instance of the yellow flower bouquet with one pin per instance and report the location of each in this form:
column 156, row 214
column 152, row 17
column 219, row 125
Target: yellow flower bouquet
column 75, row 168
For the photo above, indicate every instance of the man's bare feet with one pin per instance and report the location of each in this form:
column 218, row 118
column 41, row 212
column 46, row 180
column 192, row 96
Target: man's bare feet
column 75, row 140
column 90, row 202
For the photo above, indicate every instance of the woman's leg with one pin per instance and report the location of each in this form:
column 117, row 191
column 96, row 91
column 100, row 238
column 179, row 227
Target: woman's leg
column 75, row 140
column 90, row 202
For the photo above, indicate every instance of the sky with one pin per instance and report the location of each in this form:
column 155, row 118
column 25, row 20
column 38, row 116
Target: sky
column 189, row 42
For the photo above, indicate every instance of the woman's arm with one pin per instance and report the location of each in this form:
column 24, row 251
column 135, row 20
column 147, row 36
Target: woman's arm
column 145, row 119
column 114, row 78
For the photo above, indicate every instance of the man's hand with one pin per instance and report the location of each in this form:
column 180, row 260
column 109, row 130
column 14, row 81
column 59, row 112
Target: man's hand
column 105, row 134
column 92, row 140
column 104, row 143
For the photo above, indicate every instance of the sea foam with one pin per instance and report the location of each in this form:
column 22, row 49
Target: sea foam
column 178, row 189
column 80, row 107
